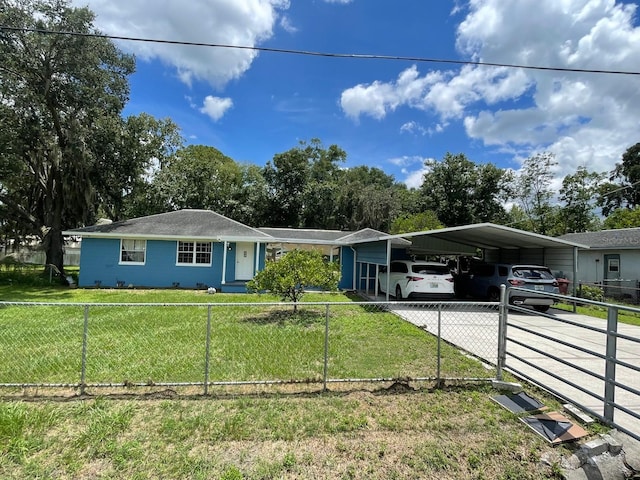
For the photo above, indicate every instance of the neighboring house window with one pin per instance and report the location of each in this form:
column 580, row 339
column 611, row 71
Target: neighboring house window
column 194, row 253
column 133, row 251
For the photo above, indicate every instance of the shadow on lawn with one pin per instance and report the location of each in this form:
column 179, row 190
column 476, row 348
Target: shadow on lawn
column 301, row 317
column 19, row 293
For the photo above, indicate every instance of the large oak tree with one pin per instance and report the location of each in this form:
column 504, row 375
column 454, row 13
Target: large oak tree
column 57, row 93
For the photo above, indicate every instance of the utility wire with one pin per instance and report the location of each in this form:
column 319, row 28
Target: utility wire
column 357, row 56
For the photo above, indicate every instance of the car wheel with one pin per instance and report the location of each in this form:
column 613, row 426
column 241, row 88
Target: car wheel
column 398, row 292
column 541, row 308
column 494, row 295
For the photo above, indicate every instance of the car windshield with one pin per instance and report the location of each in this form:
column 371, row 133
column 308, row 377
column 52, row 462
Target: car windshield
column 533, row 273
column 430, row 269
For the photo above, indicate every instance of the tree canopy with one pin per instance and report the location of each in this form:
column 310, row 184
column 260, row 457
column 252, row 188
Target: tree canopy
column 290, row 276
column 461, row 192
column 66, row 153
column 532, row 190
column 58, row 93
column 623, row 189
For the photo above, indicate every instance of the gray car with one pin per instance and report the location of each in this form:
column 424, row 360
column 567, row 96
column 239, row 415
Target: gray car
column 483, row 280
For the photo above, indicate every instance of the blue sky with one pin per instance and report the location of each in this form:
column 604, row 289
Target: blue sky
column 390, row 114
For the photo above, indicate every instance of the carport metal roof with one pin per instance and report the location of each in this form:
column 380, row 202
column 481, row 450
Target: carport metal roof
column 465, row 239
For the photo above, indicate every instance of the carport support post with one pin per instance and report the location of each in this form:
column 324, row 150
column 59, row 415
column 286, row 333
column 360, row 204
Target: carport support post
column 388, row 280
column 610, row 366
column 575, row 277
column 502, row 332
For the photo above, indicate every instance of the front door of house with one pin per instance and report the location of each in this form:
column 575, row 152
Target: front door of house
column 612, row 267
column 244, row 260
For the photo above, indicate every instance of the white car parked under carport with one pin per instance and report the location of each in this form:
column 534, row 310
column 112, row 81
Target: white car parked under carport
column 410, row 279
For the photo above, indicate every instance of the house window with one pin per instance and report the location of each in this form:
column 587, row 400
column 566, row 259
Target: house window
column 133, row 251
column 194, row 253
column 614, row 265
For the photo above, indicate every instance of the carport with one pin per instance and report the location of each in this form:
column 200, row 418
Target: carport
column 494, row 243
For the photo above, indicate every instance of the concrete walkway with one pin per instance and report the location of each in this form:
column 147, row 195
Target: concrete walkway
column 475, row 329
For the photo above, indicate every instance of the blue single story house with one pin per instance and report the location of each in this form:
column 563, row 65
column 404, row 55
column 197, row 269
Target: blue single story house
column 201, row 248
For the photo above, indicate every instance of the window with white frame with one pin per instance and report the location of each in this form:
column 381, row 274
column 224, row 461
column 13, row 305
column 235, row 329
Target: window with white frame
column 194, row 253
column 133, row 251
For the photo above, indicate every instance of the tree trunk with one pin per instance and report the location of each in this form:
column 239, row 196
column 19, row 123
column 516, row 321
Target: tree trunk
column 54, row 248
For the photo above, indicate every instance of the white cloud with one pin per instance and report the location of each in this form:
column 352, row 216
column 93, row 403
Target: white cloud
column 585, row 119
column 379, row 98
column 412, row 175
column 216, row 107
column 287, row 26
column 406, row 161
column 413, row 178
column 413, row 127
column 225, row 22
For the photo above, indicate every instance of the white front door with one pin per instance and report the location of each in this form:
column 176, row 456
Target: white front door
column 244, row 260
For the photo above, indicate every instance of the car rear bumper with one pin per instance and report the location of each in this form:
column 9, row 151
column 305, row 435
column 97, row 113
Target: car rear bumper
column 432, row 296
column 531, row 301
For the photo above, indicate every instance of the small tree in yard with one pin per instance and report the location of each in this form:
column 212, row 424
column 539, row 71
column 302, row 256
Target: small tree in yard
column 297, row 270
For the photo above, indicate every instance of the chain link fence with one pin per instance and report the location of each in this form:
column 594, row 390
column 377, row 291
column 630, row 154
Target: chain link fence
column 93, row 346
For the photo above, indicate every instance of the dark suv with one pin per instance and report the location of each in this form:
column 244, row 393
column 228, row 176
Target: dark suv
column 483, row 280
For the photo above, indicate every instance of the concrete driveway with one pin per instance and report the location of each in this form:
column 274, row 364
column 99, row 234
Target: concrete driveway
column 475, row 329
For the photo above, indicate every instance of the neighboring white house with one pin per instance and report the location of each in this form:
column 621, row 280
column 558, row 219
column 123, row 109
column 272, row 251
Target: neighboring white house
column 613, row 260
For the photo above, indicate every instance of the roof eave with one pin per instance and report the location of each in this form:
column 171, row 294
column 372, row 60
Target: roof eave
column 218, row 238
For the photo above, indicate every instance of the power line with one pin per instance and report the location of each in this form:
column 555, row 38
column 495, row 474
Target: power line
column 358, row 56
column 624, row 187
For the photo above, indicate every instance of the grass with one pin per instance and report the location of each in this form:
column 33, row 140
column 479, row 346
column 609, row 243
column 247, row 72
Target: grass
column 624, row 316
column 353, row 431
column 432, row 434
column 166, row 344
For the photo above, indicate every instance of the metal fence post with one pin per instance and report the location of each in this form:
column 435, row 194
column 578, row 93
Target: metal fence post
column 206, row 351
column 325, row 372
column 85, row 338
column 502, row 333
column 439, row 342
column 610, row 366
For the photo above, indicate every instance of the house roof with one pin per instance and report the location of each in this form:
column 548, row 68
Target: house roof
column 302, row 235
column 482, row 235
column 371, row 235
column 187, row 224
column 620, row 238
column 205, row 224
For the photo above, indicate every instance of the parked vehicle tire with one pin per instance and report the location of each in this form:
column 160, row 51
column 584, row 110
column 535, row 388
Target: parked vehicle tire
column 541, row 308
column 398, row 292
column 493, row 295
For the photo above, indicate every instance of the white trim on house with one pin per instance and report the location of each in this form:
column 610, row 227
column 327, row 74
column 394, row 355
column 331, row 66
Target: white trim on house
column 194, row 254
column 122, row 250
